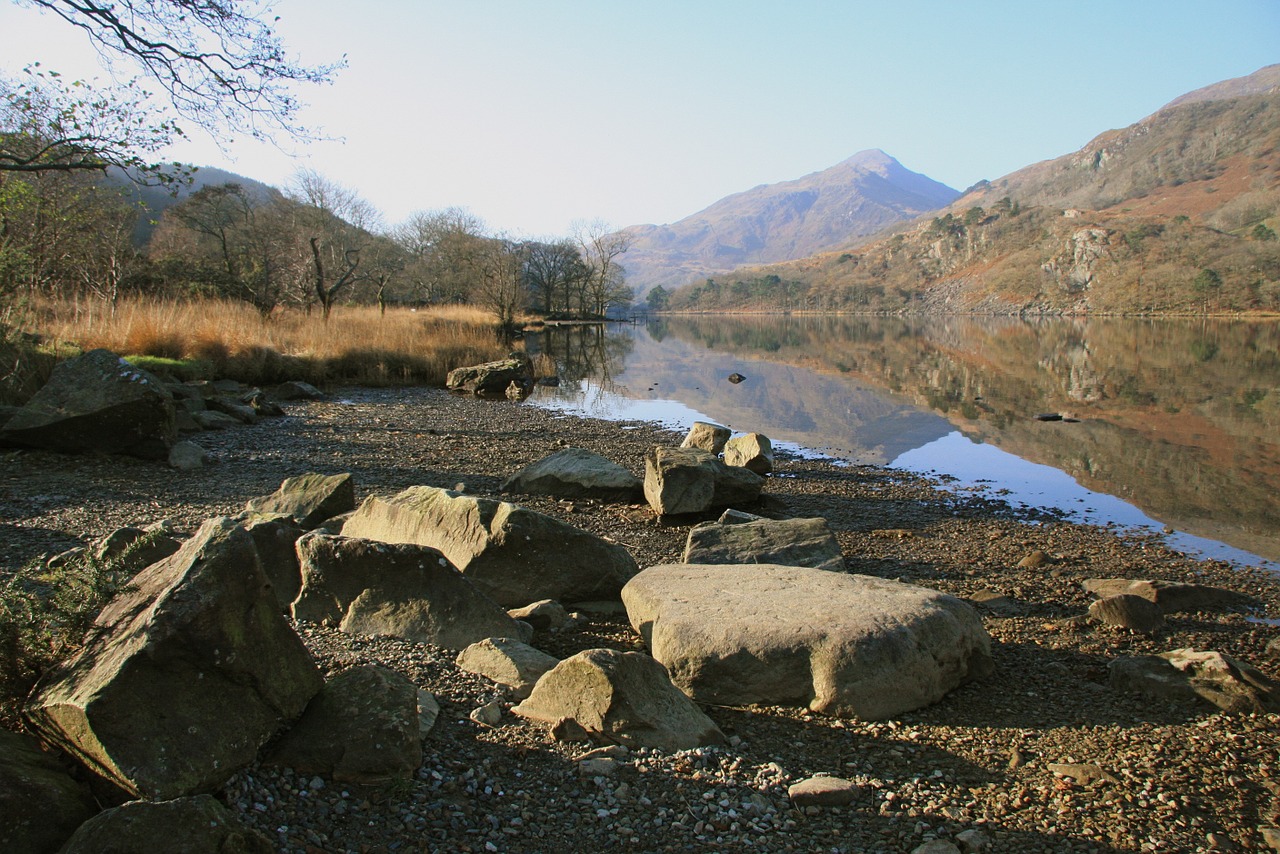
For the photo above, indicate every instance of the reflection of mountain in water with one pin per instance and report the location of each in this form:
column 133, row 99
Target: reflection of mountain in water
column 1180, row 418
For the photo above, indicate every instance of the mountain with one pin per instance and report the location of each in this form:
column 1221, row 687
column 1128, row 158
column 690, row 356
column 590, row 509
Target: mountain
column 1176, row 213
column 156, row 200
column 778, row 222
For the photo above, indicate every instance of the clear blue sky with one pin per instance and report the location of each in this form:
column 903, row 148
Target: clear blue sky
column 533, row 114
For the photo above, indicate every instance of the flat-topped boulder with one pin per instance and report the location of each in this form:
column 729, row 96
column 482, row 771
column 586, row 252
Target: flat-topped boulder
column 97, row 402
column 690, row 480
column 789, row 542
column 782, row 635
column 621, row 698
column 405, row 590
column 183, row 676
column 577, row 473
column 1172, row 596
column 512, row 554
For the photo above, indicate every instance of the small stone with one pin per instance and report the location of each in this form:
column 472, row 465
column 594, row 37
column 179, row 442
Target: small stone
column 489, row 714
column 973, row 840
column 600, row 767
column 186, row 456
column 1035, row 560
column 822, row 792
column 936, row 846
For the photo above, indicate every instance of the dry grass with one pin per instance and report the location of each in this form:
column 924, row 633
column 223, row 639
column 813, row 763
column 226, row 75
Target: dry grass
column 229, row 339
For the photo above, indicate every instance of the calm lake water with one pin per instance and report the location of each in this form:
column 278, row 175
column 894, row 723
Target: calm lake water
column 1169, row 424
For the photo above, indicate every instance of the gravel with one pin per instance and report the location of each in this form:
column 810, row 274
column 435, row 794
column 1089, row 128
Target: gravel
column 984, row 767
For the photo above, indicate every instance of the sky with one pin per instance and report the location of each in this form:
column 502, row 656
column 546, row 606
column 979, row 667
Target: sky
column 535, row 115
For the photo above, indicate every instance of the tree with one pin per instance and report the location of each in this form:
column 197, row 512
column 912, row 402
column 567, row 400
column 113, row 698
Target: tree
column 1263, row 232
column 499, row 281
column 552, row 270
column 335, row 222
column 443, row 248
column 658, row 298
column 606, row 280
column 218, row 63
column 1207, row 283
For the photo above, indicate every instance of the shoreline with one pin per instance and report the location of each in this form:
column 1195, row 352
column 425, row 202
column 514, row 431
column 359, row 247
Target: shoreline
column 979, row 759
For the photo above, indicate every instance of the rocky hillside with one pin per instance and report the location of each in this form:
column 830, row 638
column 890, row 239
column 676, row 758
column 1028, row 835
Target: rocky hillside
column 1175, row 213
column 778, row 222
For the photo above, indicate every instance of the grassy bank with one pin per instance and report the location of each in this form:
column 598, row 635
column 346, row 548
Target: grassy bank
column 193, row 339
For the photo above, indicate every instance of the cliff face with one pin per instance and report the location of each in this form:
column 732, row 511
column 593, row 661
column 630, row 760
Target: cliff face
column 778, row 222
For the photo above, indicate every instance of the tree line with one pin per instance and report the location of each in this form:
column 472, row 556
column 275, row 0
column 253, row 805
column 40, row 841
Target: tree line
column 69, row 224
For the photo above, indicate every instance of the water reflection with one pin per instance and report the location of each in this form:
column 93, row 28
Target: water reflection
column 1177, row 418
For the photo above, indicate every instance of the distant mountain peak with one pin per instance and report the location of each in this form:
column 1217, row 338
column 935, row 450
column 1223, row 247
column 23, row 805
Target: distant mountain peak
column 779, row 222
column 1264, row 81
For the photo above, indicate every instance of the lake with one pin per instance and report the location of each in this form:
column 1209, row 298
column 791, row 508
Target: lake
column 1170, row 424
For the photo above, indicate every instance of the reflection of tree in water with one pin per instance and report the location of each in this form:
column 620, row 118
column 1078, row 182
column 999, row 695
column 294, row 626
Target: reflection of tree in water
column 585, row 352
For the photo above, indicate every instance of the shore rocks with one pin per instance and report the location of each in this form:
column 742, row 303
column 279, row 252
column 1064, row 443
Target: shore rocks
column 196, row 825
column 363, row 727
column 184, row 676
column 788, row 542
column 512, row 554
column 1127, row 611
column 368, row 587
column 688, row 480
column 40, row 804
column 1171, row 596
column 1198, row 676
column 97, row 402
column 620, row 697
column 309, row 498
column 706, row 436
column 577, row 473
column 508, row 662
column 840, row 644
column 752, row 451
column 491, row 377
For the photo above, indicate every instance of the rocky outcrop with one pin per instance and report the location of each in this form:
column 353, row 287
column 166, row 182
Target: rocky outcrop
column 706, row 436
column 362, row 728
column 97, row 402
column 1199, row 677
column 309, row 498
column 508, row 662
column 184, row 675
column 620, row 697
column 839, row 644
column 491, row 377
column 577, row 473
column 688, row 480
column 514, row 555
column 40, row 804
column 788, row 542
column 197, row 825
column 752, row 451
column 368, row 587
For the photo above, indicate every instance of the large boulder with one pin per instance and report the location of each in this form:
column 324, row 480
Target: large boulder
column 689, row 480
column 98, row 402
column 508, row 662
column 781, row 635
column 788, row 542
column 620, row 697
column 1198, row 677
column 1172, row 596
column 491, row 377
column 40, row 804
column 197, row 825
column 753, row 451
column 706, row 436
column 577, row 473
column 362, row 728
column 514, row 555
column 368, row 587
column 309, row 498
column 183, row 676
column 275, row 536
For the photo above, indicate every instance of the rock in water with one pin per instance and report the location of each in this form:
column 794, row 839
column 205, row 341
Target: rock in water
column 184, row 676
column 621, row 697
column 309, row 498
column 362, row 728
column 198, row 825
column 367, row 587
column 783, row 635
column 514, row 555
column 576, row 473
column 689, row 480
column 98, row 402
